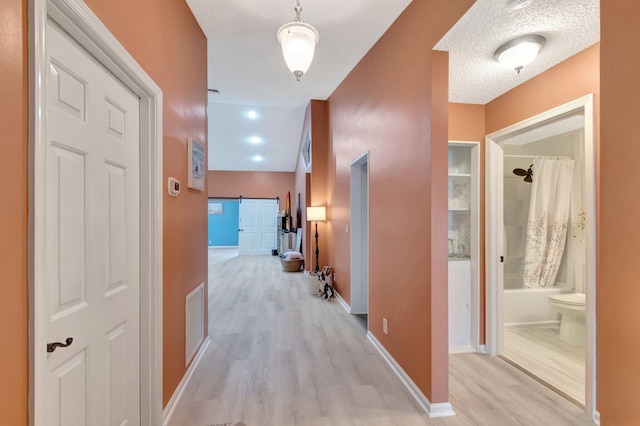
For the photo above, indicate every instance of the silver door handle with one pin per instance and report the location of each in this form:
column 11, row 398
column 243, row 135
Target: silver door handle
column 53, row 346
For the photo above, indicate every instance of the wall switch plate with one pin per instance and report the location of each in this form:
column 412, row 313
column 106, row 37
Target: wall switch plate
column 385, row 329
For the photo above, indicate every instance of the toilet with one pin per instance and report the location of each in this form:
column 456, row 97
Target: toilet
column 571, row 306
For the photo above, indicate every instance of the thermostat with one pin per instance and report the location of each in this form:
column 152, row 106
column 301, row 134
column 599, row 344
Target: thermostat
column 174, row 187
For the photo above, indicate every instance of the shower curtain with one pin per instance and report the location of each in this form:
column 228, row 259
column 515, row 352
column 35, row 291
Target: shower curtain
column 548, row 220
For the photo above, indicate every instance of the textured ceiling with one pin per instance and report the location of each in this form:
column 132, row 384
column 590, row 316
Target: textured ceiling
column 476, row 77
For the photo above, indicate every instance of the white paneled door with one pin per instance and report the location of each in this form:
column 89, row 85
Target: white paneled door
column 258, row 227
column 93, row 243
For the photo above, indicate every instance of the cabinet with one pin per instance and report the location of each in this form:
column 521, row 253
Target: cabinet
column 463, row 206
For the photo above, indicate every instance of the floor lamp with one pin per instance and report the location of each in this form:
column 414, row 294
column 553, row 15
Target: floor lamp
column 314, row 214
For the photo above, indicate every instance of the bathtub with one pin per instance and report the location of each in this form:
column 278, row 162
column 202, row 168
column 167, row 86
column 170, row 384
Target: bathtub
column 529, row 307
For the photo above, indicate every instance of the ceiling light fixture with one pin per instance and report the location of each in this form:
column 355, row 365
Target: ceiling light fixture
column 257, row 158
column 521, row 51
column 252, row 114
column 255, row 140
column 298, row 42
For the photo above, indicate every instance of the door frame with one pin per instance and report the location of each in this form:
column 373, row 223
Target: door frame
column 356, row 233
column 84, row 26
column 494, row 233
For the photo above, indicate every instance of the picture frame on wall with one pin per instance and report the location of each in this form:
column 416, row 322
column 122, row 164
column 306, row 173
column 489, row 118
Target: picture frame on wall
column 215, row 208
column 196, row 165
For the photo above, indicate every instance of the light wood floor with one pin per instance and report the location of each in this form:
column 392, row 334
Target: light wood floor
column 543, row 354
column 280, row 357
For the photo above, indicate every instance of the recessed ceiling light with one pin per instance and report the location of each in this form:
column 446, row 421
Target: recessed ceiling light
column 252, row 114
column 257, row 158
column 255, row 139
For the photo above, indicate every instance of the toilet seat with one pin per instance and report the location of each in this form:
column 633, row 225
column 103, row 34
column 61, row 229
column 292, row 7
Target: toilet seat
column 573, row 299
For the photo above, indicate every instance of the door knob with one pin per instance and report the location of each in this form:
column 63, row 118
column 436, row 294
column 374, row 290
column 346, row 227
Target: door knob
column 53, row 346
column 501, row 259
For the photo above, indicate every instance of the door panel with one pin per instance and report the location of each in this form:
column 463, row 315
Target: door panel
column 68, row 392
column 258, row 227
column 92, row 232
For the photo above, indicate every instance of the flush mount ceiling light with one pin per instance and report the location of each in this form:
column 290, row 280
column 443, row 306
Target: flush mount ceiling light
column 517, row 53
column 298, row 42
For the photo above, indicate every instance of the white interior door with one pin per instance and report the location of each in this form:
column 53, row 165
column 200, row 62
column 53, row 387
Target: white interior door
column 360, row 236
column 258, row 227
column 92, row 240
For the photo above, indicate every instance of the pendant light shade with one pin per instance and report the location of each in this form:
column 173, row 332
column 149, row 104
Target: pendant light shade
column 519, row 52
column 298, row 42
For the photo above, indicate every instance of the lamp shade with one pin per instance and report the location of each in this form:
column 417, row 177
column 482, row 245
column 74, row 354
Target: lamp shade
column 298, row 42
column 517, row 53
column 316, row 213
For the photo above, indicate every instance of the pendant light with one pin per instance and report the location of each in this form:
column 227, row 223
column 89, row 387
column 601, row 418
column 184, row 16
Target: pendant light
column 298, row 42
column 521, row 51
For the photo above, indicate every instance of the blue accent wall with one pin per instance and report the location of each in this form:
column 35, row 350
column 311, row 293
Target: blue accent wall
column 223, row 228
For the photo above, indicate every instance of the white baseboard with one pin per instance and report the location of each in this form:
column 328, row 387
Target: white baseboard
column 440, row 409
column 343, row 303
column 224, row 247
column 461, row 350
column 534, row 324
column 175, row 398
column 596, row 417
column 482, row 349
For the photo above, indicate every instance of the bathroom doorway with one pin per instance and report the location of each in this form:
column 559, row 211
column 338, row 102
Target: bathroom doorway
column 534, row 316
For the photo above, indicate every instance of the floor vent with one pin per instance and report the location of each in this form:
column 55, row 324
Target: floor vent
column 194, row 315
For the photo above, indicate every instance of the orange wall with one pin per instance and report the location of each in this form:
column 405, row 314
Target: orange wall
column 466, row 122
column 318, row 184
column 399, row 115
column 224, row 184
column 618, row 293
column 165, row 39
column 14, row 315
column 569, row 80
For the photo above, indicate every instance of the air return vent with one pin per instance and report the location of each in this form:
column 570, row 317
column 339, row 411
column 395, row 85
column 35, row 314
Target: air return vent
column 194, row 322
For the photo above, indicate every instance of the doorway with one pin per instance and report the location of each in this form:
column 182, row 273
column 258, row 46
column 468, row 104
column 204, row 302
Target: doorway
column 360, row 238
column 506, row 207
column 105, row 305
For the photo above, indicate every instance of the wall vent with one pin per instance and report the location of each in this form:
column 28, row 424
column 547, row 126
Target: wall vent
column 194, row 322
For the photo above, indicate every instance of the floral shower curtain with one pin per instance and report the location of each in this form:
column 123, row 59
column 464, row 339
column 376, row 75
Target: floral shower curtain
column 548, row 220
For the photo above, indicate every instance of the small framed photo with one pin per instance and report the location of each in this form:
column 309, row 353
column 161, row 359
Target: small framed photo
column 196, row 165
column 215, row 208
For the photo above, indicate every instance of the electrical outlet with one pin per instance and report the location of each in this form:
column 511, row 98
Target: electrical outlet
column 385, row 330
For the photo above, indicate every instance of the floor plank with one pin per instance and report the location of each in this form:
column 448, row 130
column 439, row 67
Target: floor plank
column 279, row 356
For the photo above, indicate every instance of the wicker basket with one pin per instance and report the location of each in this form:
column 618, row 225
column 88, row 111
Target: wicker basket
column 291, row 265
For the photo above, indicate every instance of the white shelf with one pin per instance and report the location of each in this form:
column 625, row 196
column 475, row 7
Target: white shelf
column 459, row 177
column 457, row 209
